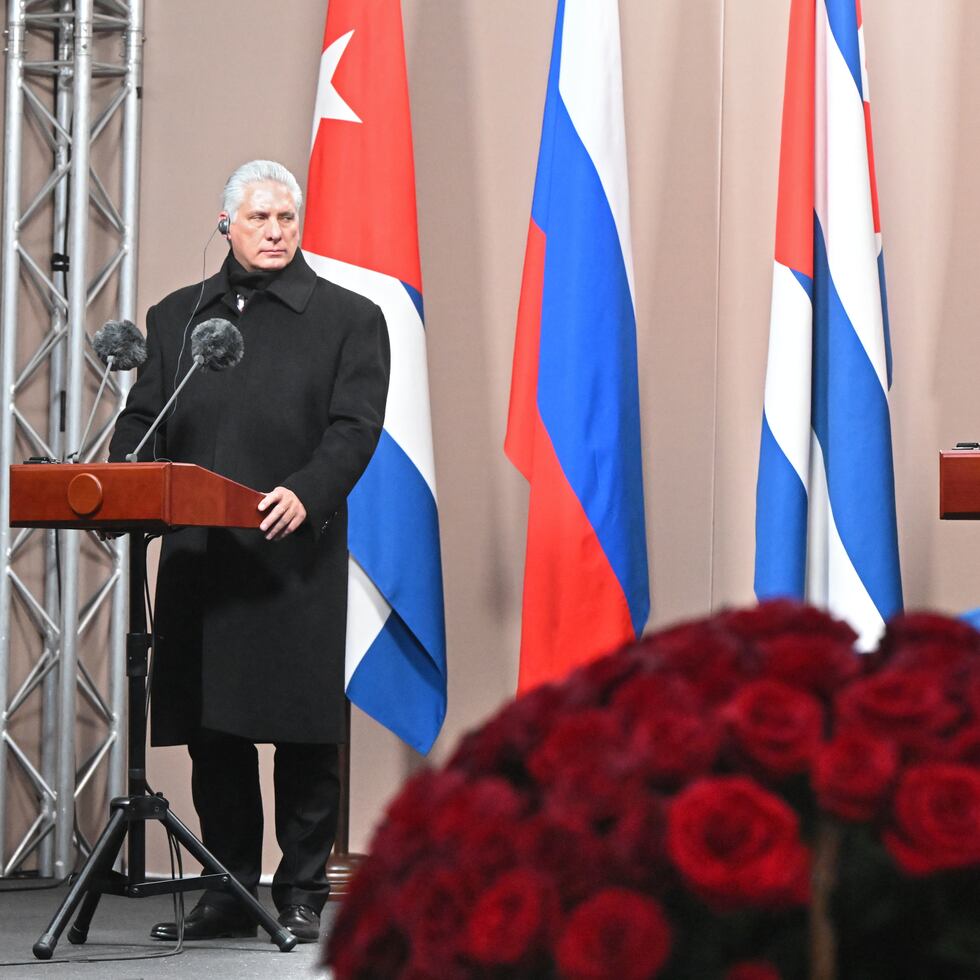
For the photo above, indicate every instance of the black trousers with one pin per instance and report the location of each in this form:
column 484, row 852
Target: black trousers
column 225, row 787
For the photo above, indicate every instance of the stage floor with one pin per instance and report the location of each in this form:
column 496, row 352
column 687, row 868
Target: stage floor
column 120, row 930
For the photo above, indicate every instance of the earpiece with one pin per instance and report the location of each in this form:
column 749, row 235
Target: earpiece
column 223, row 226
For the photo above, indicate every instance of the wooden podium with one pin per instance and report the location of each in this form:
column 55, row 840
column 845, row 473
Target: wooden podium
column 147, row 497
column 959, row 484
column 139, row 499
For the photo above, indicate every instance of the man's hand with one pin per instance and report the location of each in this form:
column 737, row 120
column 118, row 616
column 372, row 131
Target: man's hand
column 286, row 514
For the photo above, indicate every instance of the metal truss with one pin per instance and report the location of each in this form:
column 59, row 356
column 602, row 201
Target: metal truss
column 71, row 131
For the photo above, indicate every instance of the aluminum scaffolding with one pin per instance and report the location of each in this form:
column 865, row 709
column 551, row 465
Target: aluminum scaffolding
column 72, row 113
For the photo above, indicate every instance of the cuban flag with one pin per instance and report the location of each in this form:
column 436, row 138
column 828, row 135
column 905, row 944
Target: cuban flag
column 361, row 232
column 574, row 423
column 825, row 507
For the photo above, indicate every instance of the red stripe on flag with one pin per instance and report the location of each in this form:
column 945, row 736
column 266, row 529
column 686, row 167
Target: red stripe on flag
column 361, row 188
column 871, row 167
column 794, row 212
column 574, row 607
column 519, row 442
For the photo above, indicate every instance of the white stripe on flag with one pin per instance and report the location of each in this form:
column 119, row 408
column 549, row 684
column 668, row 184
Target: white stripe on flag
column 842, row 193
column 831, row 579
column 407, row 418
column 788, row 372
column 367, row 612
column 590, row 80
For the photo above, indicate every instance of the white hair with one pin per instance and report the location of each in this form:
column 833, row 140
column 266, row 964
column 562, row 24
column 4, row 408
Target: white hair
column 251, row 173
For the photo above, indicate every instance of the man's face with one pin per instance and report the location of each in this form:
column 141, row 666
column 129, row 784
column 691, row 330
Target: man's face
column 265, row 232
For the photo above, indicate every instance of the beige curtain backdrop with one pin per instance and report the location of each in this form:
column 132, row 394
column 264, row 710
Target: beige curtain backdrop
column 234, row 79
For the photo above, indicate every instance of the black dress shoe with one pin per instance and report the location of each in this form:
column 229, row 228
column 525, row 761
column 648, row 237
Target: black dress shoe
column 302, row 921
column 207, row 922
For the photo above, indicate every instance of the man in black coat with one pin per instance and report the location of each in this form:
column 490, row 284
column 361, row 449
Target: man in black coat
column 250, row 624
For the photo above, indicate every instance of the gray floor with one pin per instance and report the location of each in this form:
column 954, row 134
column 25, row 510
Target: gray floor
column 120, row 932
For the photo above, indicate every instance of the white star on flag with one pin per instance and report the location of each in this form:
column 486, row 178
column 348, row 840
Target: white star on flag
column 329, row 102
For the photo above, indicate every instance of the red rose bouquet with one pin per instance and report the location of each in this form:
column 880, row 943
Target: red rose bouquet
column 741, row 798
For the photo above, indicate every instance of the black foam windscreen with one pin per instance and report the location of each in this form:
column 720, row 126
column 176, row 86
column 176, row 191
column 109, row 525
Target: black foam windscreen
column 122, row 341
column 218, row 343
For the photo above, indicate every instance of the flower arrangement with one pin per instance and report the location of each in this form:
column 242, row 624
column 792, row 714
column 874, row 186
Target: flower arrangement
column 741, row 797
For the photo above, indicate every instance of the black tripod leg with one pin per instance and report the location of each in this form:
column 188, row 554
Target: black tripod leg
column 78, row 932
column 280, row 935
column 103, row 856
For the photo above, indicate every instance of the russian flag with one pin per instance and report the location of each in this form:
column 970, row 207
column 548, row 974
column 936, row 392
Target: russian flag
column 574, row 422
column 826, row 526
column 361, row 232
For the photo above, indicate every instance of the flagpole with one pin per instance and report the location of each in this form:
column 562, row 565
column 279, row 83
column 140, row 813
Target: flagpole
column 343, row 864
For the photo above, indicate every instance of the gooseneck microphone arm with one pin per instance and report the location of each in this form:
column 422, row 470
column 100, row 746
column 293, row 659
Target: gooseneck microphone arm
column 216, row 344
column 73, row 457
column 121, row 347
column 198, row 363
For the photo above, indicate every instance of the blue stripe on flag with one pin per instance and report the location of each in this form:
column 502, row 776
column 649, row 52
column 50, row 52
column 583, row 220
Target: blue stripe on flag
column 416, row 297
column 394, row 536
column 842, row 16
column 398, row 684
column 541, row 203
column 884, row 317
column 587, row 374
column 780, row 523
column 805, row 281
column 851, row 420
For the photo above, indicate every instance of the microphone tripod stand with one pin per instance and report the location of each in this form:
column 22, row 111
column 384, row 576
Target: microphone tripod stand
column 128, row 814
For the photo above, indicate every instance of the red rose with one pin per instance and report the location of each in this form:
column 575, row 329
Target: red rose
column 752, row 970
column 922, row 627
column 565, row 850
column 616, row 934
column 737, row 844
column 577, row 742
column 592, row 683
column 431, row 907
column 815, row 662
column 519, row 910
column 778, row 617
column 700, row 652
column 908, row 706
column 403, row 836
column 636, row 844
column 937, row 658
column 366, row 944
column 971, row 693
column 472, row 804
column 936, row 819
column 852, row 774
column 502, row 745
column 676, row 744
column 963, row 747
column 646, row 693
column 494, row 748
column 598, row 795
column 778, row 727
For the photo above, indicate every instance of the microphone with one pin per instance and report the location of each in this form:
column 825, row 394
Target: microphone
column 120, row 347
column 216, row 344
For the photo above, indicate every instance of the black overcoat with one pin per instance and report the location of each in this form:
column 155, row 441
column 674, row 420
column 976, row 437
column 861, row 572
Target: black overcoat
column 250, row 633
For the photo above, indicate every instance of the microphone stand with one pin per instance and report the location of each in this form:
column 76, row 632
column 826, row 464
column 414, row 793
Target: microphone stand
column 198, row 362
column 74, row 457
column 130, row 813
